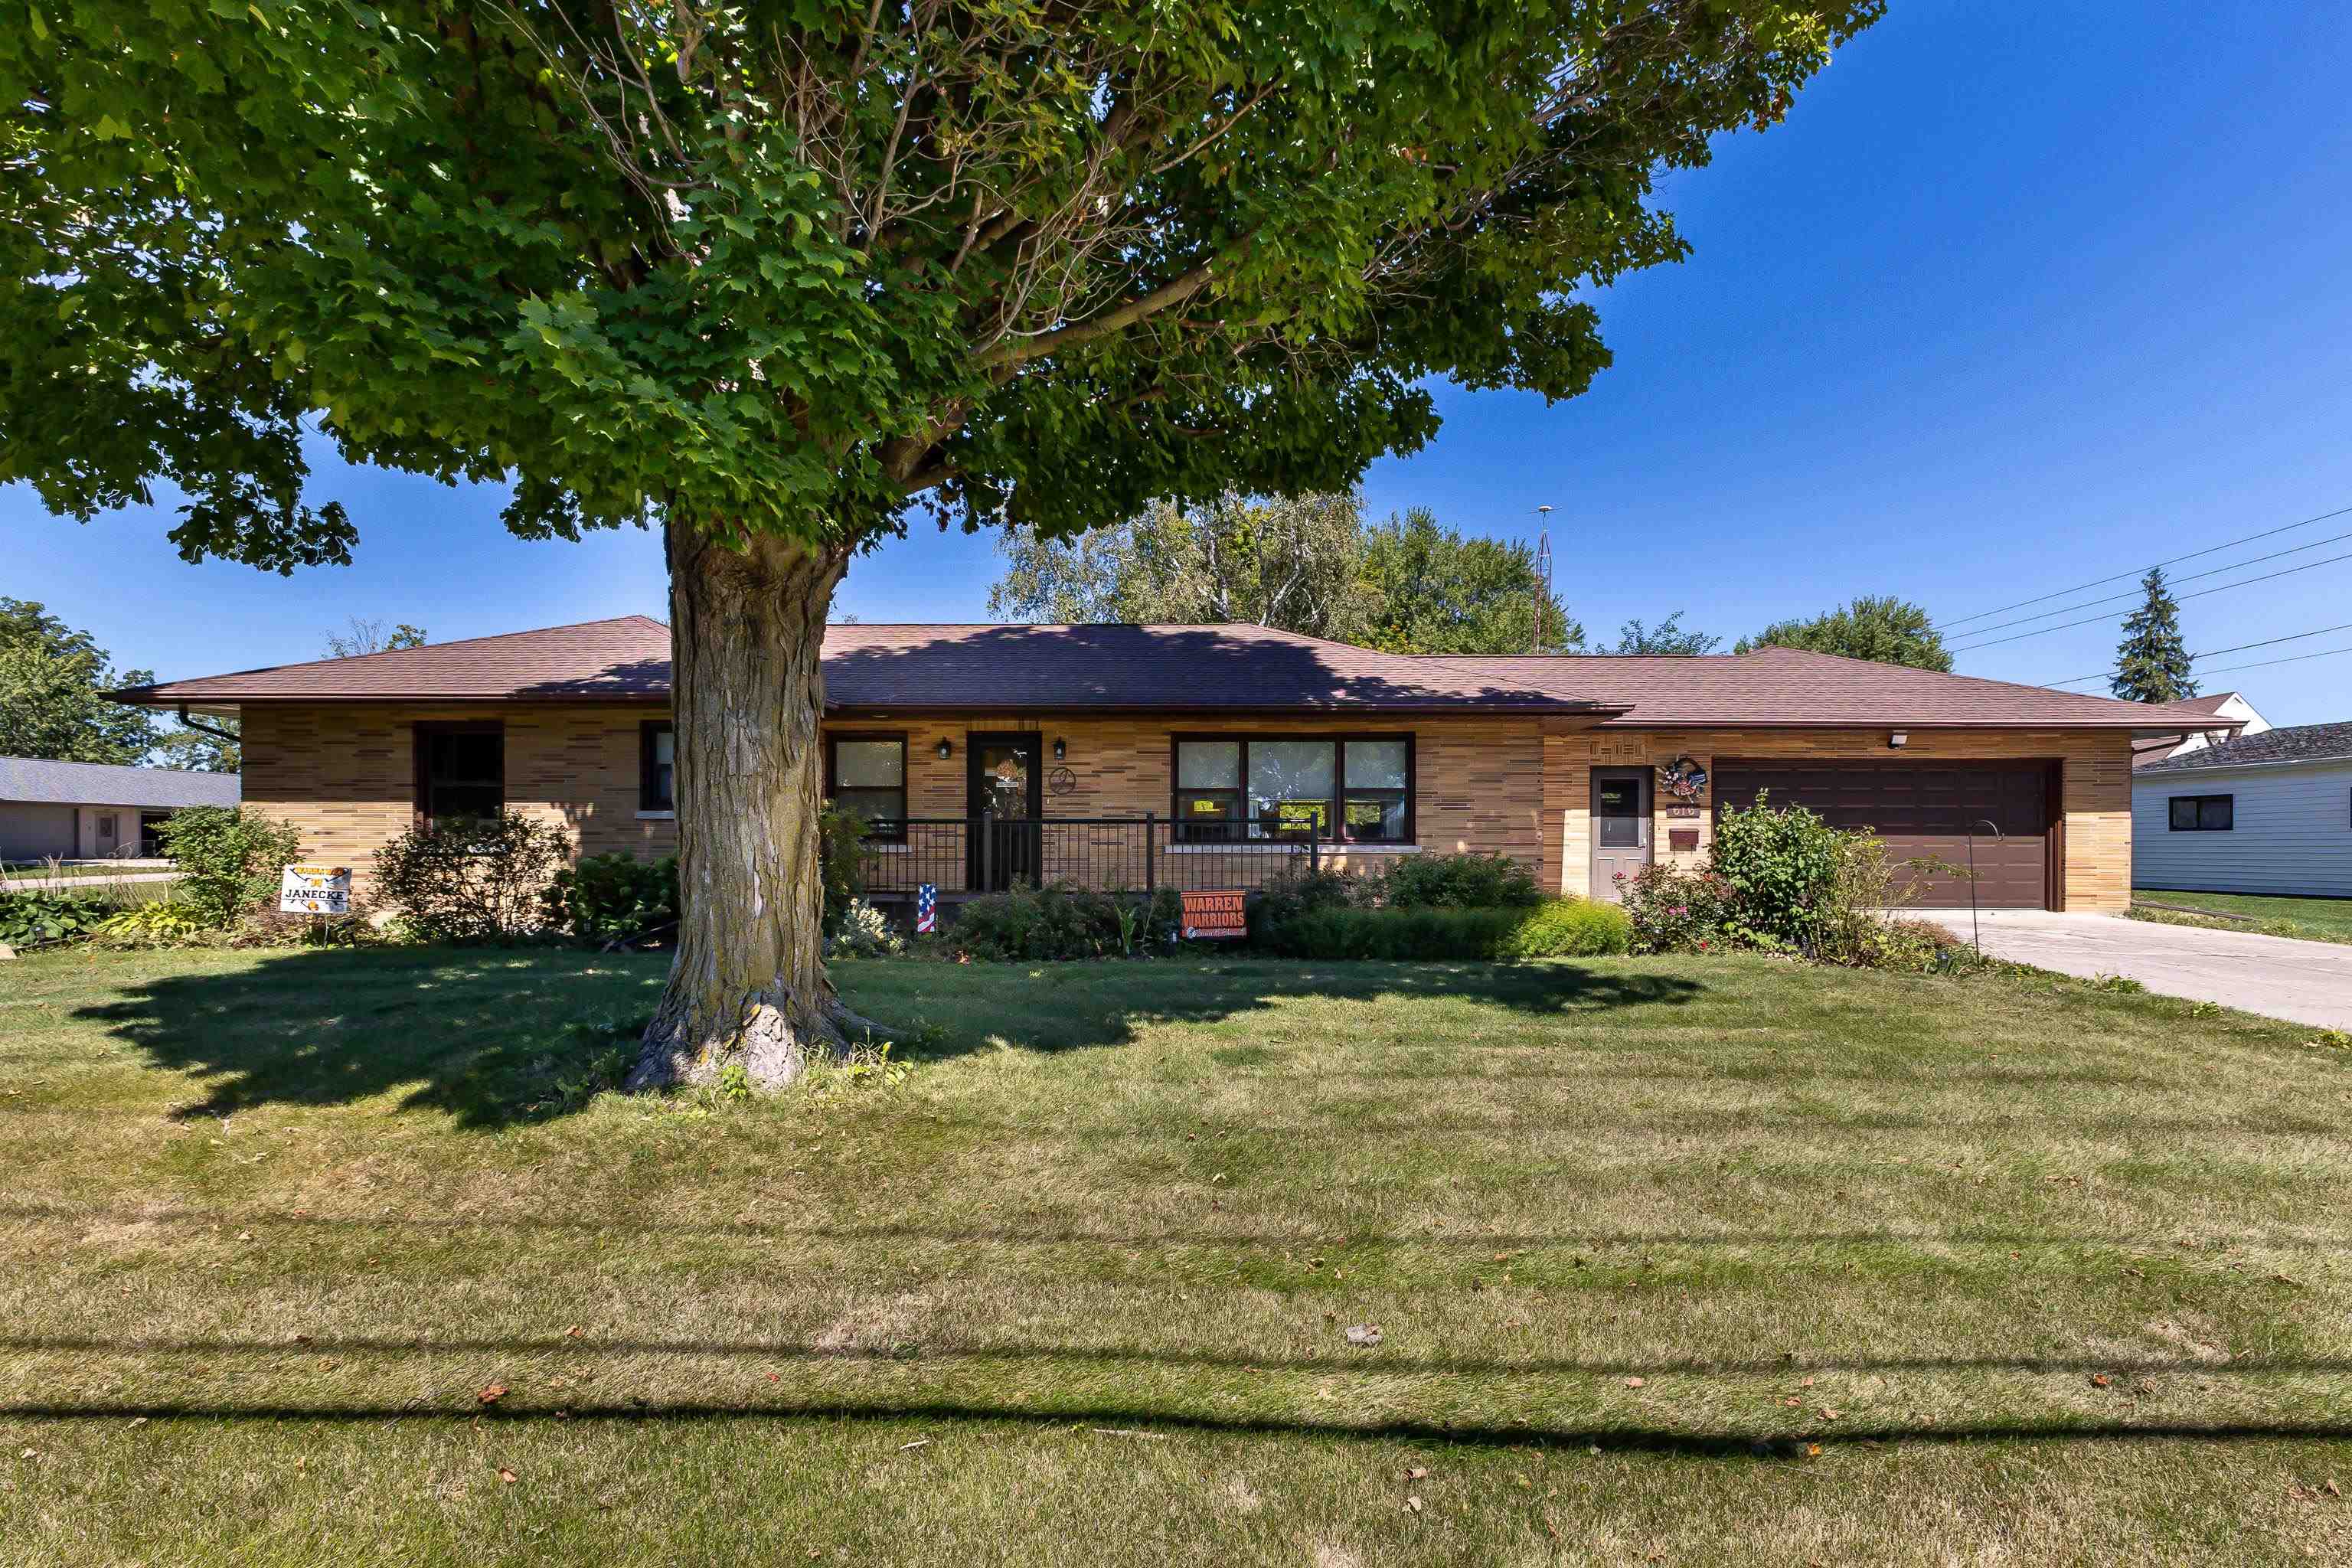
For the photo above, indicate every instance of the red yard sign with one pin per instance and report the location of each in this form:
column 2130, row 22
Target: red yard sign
column 1214, row 916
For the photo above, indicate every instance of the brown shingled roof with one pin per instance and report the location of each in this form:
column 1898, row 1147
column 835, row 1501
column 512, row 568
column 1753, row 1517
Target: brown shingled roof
column 1186, row 668
column 1784, row 685
column 1203, row 669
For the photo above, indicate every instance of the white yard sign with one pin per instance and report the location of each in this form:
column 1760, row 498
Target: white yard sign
column 315, row 891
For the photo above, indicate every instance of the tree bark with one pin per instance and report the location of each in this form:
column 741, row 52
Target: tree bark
column 746, row 982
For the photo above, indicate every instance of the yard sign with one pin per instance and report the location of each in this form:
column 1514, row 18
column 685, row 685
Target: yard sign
column 1215, row 916
column 315, row 891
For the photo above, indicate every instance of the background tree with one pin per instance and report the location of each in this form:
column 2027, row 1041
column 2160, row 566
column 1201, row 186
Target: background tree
column 200, row 751
column 371, row 637
column 1667, row 637
column 775, row 277
column 1888, row 629
column 1285, row 562
column 1309, row 565
column 1428, row 589
column 2152, row 663
column 52, row 684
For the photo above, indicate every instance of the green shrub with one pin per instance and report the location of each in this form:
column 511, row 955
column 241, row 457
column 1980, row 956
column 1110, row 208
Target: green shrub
column 1032, row 924
column 1781, row 867
column 611, row 898
column 1571, row 928
column 862, row 932
column 473, row 878
column 840, row 854
column 1673, row 911
column 1561, row 928
column 229, row 858
column 1301, row 889
column 1457, row 882
column 37, row 917
column 165, row 923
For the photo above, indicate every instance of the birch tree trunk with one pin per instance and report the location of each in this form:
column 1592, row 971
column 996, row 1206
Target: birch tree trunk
column 746, row 982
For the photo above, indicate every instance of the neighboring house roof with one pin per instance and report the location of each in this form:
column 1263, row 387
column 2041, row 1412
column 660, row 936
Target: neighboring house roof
column 2232, row 714
column 2296, row 744
column 1786, row 686
column 1206, row 668
column 32, row 779
column 1187, row 668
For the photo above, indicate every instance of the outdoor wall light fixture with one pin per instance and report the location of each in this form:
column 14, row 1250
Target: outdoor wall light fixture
column 1060, row 750
column 946, row 749
column 1897, row 739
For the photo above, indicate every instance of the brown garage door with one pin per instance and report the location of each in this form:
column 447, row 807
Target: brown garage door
column 1923, row 810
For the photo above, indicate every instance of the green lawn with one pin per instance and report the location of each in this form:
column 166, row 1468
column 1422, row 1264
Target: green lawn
column 2314, row 919
column 1683, row 1261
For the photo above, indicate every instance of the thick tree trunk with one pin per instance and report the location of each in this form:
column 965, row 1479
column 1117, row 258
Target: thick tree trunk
column 747, row 985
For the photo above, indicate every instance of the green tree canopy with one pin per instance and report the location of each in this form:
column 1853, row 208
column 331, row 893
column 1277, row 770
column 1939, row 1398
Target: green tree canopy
column 2152, row 663
column 1667, row 636
column 1429, row 589
column 1307, row 564
column 52, row 681
column 1888, row 629
column 1279, row 562
column 779, row 276
column 203, row 751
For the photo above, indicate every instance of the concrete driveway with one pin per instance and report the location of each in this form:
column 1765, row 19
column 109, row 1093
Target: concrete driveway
column 2308, row 982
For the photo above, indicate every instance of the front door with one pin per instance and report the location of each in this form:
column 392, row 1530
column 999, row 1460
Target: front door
column 1004, row 781
column 1621, row 827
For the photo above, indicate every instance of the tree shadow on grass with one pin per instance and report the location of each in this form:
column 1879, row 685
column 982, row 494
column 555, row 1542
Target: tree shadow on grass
column 952, row 1009
column 498, row 1037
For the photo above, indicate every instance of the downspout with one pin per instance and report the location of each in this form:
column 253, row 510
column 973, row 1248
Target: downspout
column 206, row 729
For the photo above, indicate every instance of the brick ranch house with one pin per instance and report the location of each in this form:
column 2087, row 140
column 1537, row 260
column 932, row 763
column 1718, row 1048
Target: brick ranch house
column 1205, row 756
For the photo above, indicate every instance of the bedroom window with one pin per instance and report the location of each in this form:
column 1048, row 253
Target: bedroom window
column 461, row 771
column 1354, row 788
column 657, row 765
column 2203, row 813
column 867, row 774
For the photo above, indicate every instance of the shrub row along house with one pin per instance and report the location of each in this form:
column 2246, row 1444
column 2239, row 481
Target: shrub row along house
column 1207, row 756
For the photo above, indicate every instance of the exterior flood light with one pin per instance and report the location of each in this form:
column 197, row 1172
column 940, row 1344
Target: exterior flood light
column 1897, row 739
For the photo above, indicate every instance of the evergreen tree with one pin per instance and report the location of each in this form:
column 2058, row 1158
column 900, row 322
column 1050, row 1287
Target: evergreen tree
column 2152, row 662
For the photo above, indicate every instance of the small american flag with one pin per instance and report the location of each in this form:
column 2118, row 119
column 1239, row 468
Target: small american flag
column 927, row 909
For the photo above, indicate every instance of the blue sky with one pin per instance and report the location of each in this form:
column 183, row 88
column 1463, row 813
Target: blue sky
column 2009, row 304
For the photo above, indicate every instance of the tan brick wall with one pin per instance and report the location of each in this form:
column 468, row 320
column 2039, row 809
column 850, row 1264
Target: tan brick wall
column 1478, row 781
column 346, row 775
column 2095, row 789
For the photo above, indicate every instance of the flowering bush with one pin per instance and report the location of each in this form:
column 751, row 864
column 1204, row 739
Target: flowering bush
column 862, row 932
column 1674, row 910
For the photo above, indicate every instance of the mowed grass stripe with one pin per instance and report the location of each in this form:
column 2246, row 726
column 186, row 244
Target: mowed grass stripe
column 311, row 1207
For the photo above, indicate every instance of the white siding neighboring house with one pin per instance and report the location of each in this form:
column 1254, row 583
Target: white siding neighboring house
column 91, row 811
column 2266, row 813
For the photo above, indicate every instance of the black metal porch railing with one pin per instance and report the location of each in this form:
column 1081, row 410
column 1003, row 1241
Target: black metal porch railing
column 987, row 854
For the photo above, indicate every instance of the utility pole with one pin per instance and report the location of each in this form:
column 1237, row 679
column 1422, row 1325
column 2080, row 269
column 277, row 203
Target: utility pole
column 1543, row 580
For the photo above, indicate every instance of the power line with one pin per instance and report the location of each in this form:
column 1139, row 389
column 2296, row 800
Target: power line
column 2193, row 577
column 2101, row 581
column 2095, row 620
column 2291, row 658
column 2213, row 653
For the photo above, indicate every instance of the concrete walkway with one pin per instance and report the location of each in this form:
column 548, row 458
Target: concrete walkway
column 2308, row 982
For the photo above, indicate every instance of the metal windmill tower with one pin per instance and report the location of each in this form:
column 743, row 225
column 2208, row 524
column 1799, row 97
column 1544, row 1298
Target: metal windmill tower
column 1543, row 581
